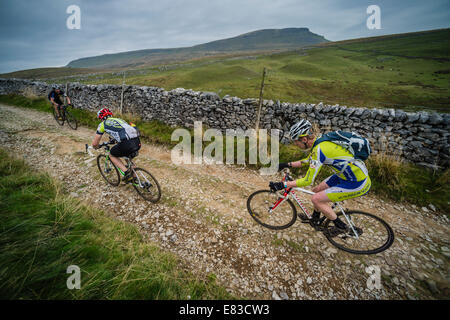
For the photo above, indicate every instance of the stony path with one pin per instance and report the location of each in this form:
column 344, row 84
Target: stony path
column 202, row 218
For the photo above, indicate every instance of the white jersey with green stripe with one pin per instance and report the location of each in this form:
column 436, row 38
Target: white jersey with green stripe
column 118, row 129
column 336, row 156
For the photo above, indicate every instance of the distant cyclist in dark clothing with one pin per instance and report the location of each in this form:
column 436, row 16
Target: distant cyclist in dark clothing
column 56, row 96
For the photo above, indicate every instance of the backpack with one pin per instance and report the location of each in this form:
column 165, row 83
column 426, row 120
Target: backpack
column 56, row 95
column 358, row 146
column 137, row 129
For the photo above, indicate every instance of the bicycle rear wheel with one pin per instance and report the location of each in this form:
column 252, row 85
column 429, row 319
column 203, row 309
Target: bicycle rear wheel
column 146, row 185
column 374, row 234
column 108, row 170
column 55, row 115
column 71, row 120
column 259, row 204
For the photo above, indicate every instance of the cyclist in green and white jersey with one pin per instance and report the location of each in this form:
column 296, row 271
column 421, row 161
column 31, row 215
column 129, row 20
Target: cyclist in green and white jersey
column 126, row 136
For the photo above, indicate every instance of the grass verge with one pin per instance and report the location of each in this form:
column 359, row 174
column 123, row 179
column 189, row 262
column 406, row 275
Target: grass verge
column 43, row 232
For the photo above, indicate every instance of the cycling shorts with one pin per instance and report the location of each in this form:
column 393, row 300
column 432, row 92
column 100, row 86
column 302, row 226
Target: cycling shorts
column 340, row 189
column 125, row 148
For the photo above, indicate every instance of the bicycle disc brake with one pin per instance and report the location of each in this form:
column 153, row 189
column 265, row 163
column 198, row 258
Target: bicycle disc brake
column 350, row 232
column 146, row 185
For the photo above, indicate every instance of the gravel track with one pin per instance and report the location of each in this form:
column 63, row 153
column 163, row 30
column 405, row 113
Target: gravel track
column 202, row 218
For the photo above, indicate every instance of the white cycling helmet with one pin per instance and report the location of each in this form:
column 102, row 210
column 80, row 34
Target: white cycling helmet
column 300, row 129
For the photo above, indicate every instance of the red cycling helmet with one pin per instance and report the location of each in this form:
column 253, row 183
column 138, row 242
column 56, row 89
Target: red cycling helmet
column 104, row 113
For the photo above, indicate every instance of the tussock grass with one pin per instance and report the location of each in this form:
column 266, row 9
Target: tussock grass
column 403, row 181
column 386, row 168
column 42, row 232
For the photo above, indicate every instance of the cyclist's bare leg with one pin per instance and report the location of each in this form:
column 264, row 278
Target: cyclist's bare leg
column 320, row 187
column 118, row 163
column 321, row 203
column 57, row 110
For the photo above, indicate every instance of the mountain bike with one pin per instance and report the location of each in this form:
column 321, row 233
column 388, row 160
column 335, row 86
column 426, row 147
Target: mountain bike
column 366, row 233
column 143, row 181
column 65, row 115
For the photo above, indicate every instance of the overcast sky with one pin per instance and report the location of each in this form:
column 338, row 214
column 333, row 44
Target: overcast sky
column 34, row 33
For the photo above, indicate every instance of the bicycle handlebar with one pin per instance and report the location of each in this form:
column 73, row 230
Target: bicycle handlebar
column 287, row 176
column 104, row 144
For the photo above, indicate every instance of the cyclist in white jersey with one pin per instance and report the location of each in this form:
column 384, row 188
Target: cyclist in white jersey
column 126, row 135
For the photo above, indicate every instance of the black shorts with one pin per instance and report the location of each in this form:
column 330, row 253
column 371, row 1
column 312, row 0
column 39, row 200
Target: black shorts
column 125, row 148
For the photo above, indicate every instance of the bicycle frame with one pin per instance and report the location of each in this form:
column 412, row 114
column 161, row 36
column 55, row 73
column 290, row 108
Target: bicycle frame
column 129, row 162
column 130, row 165
column 62, row 109
column 290, row 193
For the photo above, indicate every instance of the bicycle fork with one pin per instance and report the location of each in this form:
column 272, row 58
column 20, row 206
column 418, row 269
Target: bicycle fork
column 108, row 164
column 280, row 200
column 284, row 197
column 131, row 166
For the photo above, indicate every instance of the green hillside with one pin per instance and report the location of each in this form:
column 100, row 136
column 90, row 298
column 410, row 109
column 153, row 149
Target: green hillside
column 408, row 71
column 43, row 73
column 261, row 40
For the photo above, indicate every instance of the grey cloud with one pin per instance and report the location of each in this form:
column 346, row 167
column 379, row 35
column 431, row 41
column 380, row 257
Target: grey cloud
column 34, row 33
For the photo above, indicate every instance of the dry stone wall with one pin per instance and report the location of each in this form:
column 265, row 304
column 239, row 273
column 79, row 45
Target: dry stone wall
column 419, row 137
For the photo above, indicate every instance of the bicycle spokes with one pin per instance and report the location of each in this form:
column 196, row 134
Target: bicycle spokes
column 108, row 171
column 146, row 185
column 276, row 204
column 367, row 234
column 271, row 210
column 352, row 232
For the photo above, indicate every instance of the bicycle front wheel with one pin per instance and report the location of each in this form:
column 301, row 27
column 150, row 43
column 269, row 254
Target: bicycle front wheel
column 108, row 170
column 71, row 120
column 259, row 205
column 374, row 234
column 146, row 185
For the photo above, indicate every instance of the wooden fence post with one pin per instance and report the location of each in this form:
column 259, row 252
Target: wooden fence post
column 66, row 93
column 121, row 95
column 260, row 101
